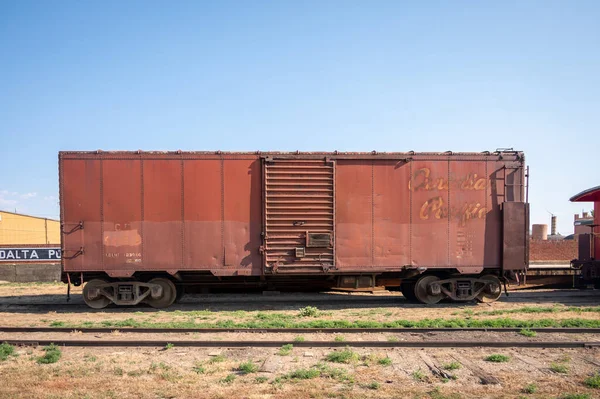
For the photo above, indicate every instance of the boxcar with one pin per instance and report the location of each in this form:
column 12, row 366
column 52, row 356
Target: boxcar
column 139, row 226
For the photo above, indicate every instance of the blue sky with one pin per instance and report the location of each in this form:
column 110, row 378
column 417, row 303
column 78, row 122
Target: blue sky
column 310, row 75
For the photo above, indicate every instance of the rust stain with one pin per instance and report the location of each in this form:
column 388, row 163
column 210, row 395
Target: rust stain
column 121, row 238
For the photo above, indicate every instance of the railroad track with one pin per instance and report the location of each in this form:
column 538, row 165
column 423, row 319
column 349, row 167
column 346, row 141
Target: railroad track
column 110, row 342
column 407, row 330
column 307, row 344
column 192, row 303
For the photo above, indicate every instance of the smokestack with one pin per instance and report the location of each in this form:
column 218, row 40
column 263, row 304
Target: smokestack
column 539, row 232
column 553, row 226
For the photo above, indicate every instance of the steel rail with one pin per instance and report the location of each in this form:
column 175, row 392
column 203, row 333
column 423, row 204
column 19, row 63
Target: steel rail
column 196, row 302
column 591, row 300
column 134, row 330
column 308, row 344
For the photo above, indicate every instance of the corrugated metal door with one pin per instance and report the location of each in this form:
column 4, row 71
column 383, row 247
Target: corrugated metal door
column 299, row 215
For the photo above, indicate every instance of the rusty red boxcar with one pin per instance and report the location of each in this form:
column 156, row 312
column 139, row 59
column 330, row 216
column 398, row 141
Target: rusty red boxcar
column 139, row 226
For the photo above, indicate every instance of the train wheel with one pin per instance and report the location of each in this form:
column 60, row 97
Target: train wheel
column 180, row 291
column 492, row 290
column 169, row 293
column 426, row 292
column 408, row 290
column 90, row 296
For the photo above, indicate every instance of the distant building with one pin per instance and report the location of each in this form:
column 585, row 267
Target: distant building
column 556, row 237
column 539, row 232
column 17, row 229
column 582, row 223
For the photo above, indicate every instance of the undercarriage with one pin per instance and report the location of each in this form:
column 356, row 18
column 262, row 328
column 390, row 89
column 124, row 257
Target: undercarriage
column 162, row 292
column 431, row 289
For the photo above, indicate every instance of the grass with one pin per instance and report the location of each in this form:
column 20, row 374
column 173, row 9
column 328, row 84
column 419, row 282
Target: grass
column 418, row 375
column 286, row 349
column 452, row 366
column 52, row 355
column 6, row 350
column 530, row 388
column 373, row 385
column 57, row 324
column 335, row 373
column 339, row 338
column 564, row 358
column 437, row 394
column 217, row 359
column 527, row 332
column 277, row 382
column 228, row 380
column 343, row 356
column 309, row 311
column 559, row 368
column 198, row 368
column 496, row 358
column 593, row 381
column 385, row 361
column 575, row 396
column 248, row 367
column 319, row 370
column 261, row 379
column 303, row 374
column 169, row 346
column 299, row 338
column 539, row 309
column 89, row 358
column 161, row 365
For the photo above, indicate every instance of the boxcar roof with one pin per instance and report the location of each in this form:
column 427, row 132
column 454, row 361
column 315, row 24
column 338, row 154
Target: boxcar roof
column 501, row 153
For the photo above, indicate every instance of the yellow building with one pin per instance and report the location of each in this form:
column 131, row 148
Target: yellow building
column 18, row 229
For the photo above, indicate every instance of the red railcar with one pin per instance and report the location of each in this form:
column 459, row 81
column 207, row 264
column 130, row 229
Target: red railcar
column 137, row 226
column 588, row 258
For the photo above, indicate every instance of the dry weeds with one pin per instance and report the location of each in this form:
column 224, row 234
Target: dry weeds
column 152, row 373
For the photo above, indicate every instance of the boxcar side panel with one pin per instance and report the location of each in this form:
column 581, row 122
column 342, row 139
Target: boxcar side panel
column 391, row 213
column 203, row 201
column 80, row 202
column 161, row 226
column 430, row 221
column 122, row 214
column 468, row 207
column 354, row 207
column 242, row 214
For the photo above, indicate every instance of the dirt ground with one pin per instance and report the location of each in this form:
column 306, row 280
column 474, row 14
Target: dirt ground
column 49, row 308
column 215, row 373
column 130, row 335
column 143, row 372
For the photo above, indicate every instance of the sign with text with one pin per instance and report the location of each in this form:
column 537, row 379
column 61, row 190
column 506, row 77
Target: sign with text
column 29, row 254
